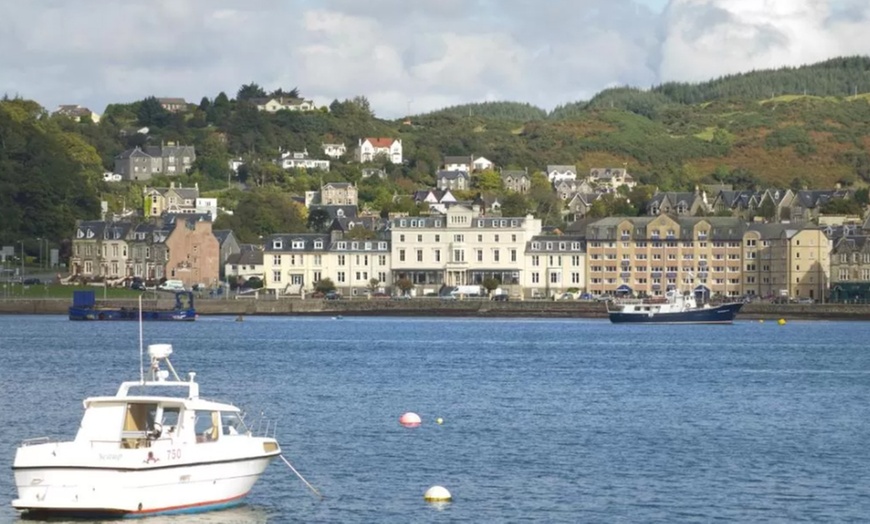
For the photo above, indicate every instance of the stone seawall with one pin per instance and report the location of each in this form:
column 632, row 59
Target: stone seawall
column 429, row 307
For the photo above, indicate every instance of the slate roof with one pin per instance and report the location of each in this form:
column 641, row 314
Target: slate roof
column 451, row 175
column 336, row 211
column 246, row 258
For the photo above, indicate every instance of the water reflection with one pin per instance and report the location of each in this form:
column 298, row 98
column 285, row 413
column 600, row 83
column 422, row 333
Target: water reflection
column 244, row 514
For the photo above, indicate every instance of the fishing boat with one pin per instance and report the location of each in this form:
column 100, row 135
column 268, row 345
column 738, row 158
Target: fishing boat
column 155, row 447
column 85, row 307
column 675, row 308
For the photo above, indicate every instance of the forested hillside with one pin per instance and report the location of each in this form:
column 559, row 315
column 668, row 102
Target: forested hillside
column 792, row 127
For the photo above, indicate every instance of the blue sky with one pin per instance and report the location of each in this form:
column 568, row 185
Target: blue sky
column 433, row 53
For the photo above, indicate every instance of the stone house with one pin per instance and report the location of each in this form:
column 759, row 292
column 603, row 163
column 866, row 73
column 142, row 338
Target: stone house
column 193, row 252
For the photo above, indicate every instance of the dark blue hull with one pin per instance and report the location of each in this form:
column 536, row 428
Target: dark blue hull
column 87, row 313
column 723, row 314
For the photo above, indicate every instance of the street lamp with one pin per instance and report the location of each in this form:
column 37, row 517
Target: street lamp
column 22, row 259
column 39, row 240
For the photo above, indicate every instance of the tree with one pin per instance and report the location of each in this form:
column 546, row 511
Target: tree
column 151, row 113
column 324, row 285
column 280, row 93
column 359, row 232
column 405, row 285
column 373, row 284
column 319, row 220
column 514, row 205
column 249, row 91
column 488, row 181
column 491, row 284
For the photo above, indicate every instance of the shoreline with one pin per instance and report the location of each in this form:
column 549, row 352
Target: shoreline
column 429, row 307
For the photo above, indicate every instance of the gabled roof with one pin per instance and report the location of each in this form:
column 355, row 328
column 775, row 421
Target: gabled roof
column 380, row 142
column 562, row 169
column 514, row 173
column 246, row 258
column 451, row 175
column 222, row 235
column 457, row 160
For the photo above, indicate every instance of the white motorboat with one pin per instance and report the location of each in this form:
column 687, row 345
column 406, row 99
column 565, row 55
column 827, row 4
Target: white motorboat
column 155, row 447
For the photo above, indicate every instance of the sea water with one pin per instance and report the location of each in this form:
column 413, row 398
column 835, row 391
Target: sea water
column 542, row 420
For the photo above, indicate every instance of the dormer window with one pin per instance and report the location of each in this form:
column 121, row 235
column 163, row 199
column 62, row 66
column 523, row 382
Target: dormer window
column 382, row 246
column 354, row 246
column 437, row 223
column 80, row 234
column 536, row 246
column 340, row 213
column 341, row 246
column 90, row 233
column 277, row 245
column 368, row 246
column 318, row 244
column 298, row 244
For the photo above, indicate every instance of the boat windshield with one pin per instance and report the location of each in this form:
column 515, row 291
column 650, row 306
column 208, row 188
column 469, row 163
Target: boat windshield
column 231, row 423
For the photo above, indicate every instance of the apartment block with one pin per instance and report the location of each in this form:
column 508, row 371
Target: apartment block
column 650, row 255
column 786, row 260
column 553, row 265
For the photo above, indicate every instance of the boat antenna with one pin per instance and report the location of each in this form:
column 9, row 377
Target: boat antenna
column 141, row 346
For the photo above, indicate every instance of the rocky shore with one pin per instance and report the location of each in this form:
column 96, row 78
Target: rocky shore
column 432, row 307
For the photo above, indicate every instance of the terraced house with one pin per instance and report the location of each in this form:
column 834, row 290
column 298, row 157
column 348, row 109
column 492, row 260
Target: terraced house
column 294, row 263
column 650, row 255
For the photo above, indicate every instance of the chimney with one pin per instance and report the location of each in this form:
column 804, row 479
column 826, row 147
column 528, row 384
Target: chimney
column 172, row 185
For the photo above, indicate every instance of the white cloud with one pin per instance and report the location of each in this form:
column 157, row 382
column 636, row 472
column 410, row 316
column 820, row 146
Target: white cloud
column 434, row 52
column 709, row 38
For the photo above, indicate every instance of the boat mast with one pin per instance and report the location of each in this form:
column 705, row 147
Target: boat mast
column 141, row 346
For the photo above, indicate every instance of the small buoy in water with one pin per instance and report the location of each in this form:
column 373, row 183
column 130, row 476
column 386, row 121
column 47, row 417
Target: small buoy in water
column 240, row 318
column 410, row 420
column 761, row 321
column 439, row 420
column 437, row 494
column 782, row 322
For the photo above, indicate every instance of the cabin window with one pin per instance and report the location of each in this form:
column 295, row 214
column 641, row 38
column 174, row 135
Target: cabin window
column 207, row 426
column 231, row 423
column 170, row 421
column 138, row 421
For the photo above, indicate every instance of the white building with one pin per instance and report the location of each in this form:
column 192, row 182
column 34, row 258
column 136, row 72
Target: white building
column 294, row 263
column 301, row 160
column 481, row 164
column 553, row 265
column 558, row 173
column 461, row 248
column 207, row 206
column 371, row 148
column 334, row 150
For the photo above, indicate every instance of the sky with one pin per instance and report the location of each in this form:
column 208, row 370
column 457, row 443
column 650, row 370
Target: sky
column 405, row 55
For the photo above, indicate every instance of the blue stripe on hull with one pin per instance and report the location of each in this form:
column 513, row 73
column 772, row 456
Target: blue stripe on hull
column 723, row 314
column 79, row 313
column 98, row 514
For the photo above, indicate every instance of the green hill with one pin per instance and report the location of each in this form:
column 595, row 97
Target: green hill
column 790, row 127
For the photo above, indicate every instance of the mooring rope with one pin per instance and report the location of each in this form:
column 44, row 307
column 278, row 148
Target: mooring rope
column 312, row 488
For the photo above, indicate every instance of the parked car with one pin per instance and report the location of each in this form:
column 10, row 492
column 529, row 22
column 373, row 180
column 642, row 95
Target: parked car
column 402, row 297
column 500, row 298
column 138, row 285
column 332, row 295
column 31, row 281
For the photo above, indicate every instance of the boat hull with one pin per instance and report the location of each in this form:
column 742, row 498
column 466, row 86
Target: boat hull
column 86, row 313
column 723, row 314
column 106, row 492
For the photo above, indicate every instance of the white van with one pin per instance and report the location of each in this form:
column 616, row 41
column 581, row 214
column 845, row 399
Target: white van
column 172, row 285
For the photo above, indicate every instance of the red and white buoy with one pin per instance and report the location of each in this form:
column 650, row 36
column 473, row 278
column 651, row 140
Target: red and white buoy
column 410, row 420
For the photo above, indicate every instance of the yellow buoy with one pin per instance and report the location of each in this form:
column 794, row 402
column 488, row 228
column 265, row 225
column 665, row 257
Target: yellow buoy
column 439, row 420
column 437, row 494
column 782, row 322
column 761, row 321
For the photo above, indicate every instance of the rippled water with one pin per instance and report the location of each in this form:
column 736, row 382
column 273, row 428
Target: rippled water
column 550, row 421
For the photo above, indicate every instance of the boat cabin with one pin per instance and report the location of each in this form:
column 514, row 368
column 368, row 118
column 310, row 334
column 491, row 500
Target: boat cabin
column 141, row 422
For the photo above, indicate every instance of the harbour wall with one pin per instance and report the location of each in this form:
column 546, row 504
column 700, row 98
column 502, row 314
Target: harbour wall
column 428, row 307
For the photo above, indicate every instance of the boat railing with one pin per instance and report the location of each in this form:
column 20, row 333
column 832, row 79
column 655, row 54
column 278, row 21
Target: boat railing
column 37, row 441
column 261, row 425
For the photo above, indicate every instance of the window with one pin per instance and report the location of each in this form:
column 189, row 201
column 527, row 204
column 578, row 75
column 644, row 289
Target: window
column 555, row 278
column 513, row 255
column 276, row 260
column 318, row 260
column 437, row 238
column 479, row 254
column 437, row 255
column 340, row 276
column 536, row 278
column 458, row 238
column 419, row 255
column 401, row 255
column 382, row 260
column 419, row 238
column 458, row 255
column 495, row 255
column 341, row 260
column 276, row 276
column 536, row 260
column 298, row 244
